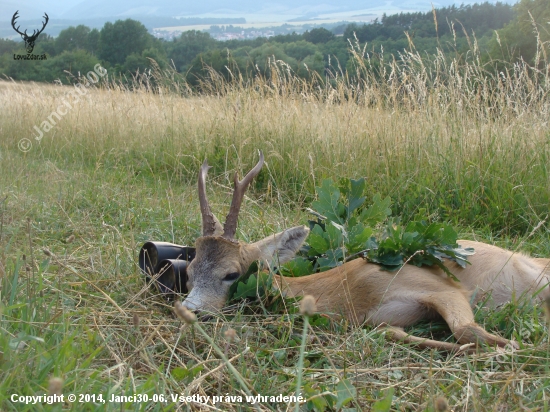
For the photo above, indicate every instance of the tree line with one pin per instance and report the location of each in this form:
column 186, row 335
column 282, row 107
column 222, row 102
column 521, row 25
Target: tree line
column 125, row 47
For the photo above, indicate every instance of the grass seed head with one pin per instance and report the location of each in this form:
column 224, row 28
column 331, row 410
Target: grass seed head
column 184, row 314
column 307, row 306
column 441, row 404
column 230, row 334
column 55, row 386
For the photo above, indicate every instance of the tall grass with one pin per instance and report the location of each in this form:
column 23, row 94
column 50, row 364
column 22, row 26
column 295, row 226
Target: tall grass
column 441, row 132
column 443, row 135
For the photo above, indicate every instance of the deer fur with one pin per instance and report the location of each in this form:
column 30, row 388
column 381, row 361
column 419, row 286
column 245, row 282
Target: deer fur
column 361, row 291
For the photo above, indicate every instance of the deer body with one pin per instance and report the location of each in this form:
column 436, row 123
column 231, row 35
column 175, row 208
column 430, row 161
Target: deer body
column 360, row 291
column 364, row 293
column 493, row 271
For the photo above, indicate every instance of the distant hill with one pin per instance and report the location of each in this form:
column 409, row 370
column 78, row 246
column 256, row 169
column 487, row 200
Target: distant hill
column 90, row 9
column 162, row 13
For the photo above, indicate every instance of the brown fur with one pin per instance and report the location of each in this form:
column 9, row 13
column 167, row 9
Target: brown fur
column 364, row 293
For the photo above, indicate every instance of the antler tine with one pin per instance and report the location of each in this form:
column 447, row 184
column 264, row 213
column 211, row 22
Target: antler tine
column 230, row 226
column 13, row 21
column 46, row 17
column 36, row 32
column 210, row 225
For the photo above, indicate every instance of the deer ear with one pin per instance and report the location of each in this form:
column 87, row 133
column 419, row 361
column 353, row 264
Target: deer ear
column 284, row 245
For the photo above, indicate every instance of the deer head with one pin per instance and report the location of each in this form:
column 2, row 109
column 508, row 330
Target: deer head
column 29, row 40
column 220, row 259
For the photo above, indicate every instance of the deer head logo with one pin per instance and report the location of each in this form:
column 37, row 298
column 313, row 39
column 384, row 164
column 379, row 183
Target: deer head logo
column 29, row 40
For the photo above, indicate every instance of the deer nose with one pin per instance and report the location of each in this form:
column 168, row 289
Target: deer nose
column 197, row 311
column 191, row 305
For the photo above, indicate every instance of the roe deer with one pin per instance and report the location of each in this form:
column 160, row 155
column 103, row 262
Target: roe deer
column 358, row 290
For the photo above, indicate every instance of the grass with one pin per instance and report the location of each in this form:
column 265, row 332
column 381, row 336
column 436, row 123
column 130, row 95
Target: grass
column 120, row 168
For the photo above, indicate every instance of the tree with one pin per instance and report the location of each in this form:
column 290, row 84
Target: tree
column 93, row 41
column 300, row 49
column 7, row 46
column 117, row 41
column 320, row 35
column 67, row 64
column 135, row 62
column 534, row 18
column 73, row 38
column 519, row 38
column 45, row 44
column 214, row 59
column 336, row 51
column 270, row 53
column 312, row 63
column 191, row 43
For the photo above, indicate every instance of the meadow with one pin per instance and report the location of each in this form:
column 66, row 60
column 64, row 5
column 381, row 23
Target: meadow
column 443, row 136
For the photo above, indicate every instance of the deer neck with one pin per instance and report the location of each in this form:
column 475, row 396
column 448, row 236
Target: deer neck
column 291, row 286
column 318, row 284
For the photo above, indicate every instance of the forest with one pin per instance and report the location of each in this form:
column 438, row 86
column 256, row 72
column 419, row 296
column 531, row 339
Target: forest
column 500, row 32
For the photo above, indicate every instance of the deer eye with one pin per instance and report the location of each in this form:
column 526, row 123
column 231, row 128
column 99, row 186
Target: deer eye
column 231, row 277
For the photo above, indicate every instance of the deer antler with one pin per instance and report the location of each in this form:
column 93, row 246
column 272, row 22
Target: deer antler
column 34, row 33
column 230, row 226
column 210, row 225
column 43, row 25
column 13, row 19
